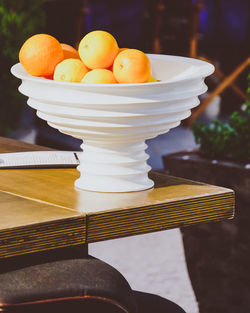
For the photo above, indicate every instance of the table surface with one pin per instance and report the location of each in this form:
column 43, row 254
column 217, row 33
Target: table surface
column 40, row 209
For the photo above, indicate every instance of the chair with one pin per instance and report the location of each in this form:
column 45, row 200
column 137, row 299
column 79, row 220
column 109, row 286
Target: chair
column 69, row 280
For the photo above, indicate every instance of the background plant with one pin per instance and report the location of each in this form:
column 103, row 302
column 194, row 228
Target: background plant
column 18, row 21
column 230, row 139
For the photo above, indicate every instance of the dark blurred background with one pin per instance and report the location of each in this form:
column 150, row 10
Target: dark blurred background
column 215, row 29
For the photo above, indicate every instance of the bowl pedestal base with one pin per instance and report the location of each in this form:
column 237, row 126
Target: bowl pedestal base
column 113, row 167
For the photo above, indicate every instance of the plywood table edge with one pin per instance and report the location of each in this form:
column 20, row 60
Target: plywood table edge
column 155, row 218
column 220, row 191
column 63, row 231
column 43, row 236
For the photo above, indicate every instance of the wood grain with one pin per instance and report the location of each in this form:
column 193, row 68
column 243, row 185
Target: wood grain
column 40, row 209
column 30, row 226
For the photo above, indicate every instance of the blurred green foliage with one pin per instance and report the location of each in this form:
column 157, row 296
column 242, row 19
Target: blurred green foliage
column 18, row 21
column 230, row 139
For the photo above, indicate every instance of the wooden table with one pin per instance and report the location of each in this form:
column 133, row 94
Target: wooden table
column 41, row 210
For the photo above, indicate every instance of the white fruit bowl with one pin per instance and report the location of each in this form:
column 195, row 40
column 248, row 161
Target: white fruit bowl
column 114, row 120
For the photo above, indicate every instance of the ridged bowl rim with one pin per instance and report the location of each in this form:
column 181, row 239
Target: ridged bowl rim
column 205, row 69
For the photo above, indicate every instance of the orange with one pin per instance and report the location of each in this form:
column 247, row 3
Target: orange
column 70, row 70
column 69, row 52
column 99, row 76
column 40, row 54
column 98, row 49
column 132, row 66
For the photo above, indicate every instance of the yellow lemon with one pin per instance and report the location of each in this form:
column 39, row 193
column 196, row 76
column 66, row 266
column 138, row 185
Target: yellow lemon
column 152, row 79
column 98, row 49
column 99, row 76
column 70, row 70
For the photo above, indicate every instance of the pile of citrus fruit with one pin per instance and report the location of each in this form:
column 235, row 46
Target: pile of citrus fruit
column 99, row 60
